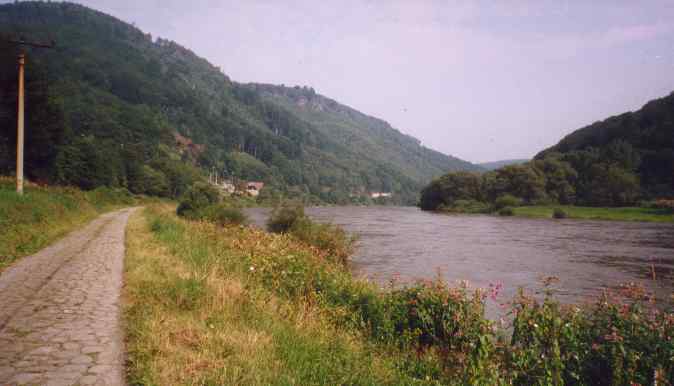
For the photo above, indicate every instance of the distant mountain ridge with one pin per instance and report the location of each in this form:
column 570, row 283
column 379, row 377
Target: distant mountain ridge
column 120, row 108
column 499, row 164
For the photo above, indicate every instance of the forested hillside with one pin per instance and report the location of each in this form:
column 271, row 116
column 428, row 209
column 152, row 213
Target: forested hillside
column 640, row 142
column 112, row 106
column 617, row 162
column 366, row 137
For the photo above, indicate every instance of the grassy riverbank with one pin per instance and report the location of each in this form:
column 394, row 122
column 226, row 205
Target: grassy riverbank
column 205, row 305
column 209, row 304
column 592, row 213
column 30, row 222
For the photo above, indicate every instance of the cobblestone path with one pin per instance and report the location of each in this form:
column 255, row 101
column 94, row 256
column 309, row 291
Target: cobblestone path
column 59, row 310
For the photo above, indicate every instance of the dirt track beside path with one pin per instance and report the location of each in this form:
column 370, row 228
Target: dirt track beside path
column 60, row 310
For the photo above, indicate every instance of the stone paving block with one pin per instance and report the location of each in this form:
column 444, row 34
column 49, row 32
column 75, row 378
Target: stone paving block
column 24, row 378
column 82, row 359
column 60, row 382
column 92, row 349
column 88, row 380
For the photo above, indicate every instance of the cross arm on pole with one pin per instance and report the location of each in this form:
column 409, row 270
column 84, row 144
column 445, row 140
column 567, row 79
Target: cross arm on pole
column 22, row 42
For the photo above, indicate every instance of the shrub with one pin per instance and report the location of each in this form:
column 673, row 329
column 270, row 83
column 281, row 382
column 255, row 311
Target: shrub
column 646, row 204
column 223, row 215
column 283, row 217
column 199, row 196
column 559, row 213
column 507, row 211
column 506, row 200
column 467, row 206
column 327, row 237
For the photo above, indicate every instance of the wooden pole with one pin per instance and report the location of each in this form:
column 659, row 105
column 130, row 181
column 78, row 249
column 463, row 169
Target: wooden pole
column 20, row 128
column 21, row 108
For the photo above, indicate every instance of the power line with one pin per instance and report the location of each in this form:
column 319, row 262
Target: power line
column 21, row 42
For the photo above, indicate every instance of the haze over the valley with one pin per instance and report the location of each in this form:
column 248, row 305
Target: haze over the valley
column 479, row 80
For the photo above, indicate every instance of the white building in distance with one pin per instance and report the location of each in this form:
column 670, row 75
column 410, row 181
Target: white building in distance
column 380, row 194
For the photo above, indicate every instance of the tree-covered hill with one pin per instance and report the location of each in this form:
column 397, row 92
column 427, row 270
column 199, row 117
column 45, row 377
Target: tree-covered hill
column 616, row 162
column 642, row 141
column 365, row 136
column 112, row 106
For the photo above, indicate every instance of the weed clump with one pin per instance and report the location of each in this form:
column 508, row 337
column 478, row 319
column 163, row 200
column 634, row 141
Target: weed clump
column 284, row 216
column 185, row 294
column 559, row 213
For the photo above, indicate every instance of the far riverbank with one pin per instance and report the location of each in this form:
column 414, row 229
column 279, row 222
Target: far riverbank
column 593, row 213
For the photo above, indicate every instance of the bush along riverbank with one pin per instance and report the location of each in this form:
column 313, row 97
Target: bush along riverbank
column 214, row 304
column 42, row 214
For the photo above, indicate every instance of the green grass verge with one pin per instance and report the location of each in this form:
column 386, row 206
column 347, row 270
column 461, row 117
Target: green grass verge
column 43, row 214
column 196, row 314
column 592, row 213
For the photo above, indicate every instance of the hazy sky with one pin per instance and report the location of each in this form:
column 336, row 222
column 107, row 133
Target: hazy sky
column 479, row 80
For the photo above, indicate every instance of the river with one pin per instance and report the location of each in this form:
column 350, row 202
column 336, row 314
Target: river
column 586, row 256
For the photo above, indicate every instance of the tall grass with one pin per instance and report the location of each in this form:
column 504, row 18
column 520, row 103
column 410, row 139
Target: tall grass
column 426, row 332
column 43, row 214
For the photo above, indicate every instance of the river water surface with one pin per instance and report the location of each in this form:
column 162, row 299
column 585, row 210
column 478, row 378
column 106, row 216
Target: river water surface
column 585, row 255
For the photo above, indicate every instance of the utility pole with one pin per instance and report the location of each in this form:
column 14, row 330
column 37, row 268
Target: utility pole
column 21, row 110
column 19, row 131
